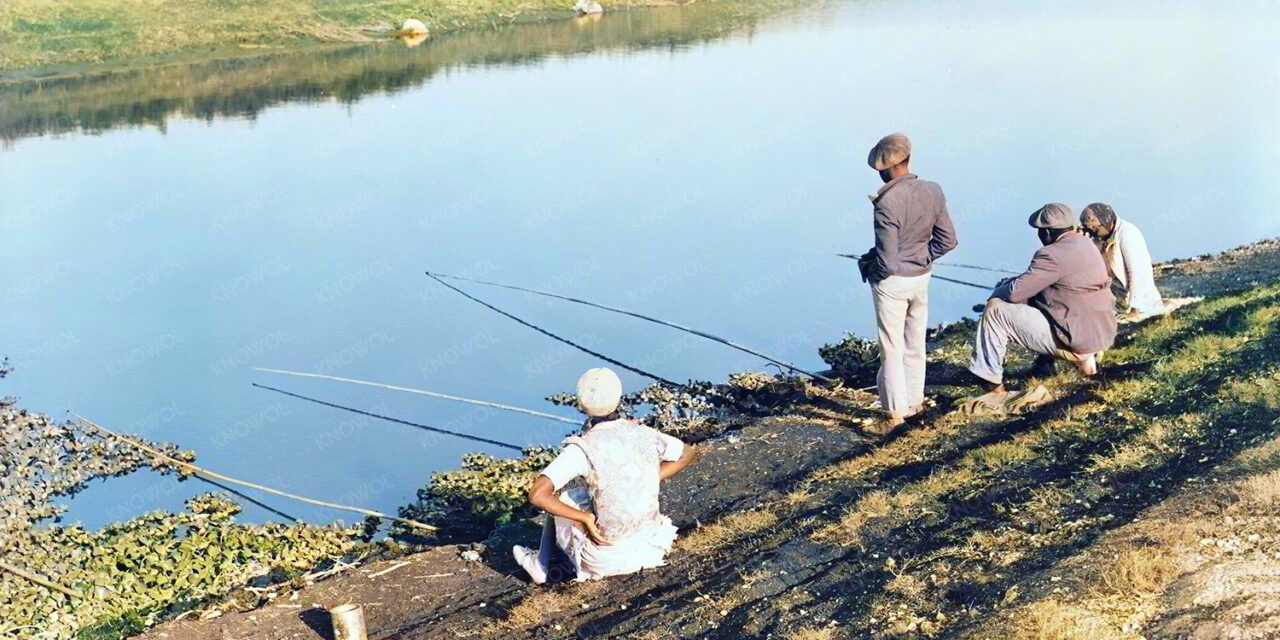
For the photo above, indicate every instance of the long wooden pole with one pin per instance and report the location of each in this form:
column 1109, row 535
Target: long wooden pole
column 641, row 316
column 465, row 436
column 557, row 338
column 191, row 468
column 943, row 278
column 433, row 394
column 33, row 578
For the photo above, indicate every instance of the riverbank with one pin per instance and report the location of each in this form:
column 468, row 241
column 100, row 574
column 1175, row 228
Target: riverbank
column 40, row 38
column 1127, row 508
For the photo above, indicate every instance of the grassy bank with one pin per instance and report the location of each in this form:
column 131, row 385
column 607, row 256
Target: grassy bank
column 52, row 35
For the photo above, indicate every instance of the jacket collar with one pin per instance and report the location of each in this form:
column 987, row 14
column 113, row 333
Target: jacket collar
column 891, row 184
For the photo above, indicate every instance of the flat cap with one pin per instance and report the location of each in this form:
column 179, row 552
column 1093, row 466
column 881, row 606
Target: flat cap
column 892, row 149
column 1053, row 216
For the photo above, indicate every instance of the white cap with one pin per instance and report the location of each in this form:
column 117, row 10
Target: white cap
column 599, row 392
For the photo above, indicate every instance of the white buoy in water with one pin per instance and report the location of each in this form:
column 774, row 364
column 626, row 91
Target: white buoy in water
column 413, row 27
column 348, row 622
column 588, row 8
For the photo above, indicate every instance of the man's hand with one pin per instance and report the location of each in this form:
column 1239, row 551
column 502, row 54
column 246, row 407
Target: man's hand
column 593, row 532
column 865, row 263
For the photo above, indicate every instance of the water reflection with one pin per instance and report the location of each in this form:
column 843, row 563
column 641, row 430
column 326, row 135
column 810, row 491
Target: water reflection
column 243, row 87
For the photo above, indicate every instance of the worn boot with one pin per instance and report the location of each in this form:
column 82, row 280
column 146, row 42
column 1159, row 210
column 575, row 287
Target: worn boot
column 885, row 425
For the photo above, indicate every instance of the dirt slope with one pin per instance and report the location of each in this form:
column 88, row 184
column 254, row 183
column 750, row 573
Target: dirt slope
column 1141, row 505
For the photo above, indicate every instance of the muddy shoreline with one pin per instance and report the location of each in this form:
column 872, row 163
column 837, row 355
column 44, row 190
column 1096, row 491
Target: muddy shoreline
column 760, row 469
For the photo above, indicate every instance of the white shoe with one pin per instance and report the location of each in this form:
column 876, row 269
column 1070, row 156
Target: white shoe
column 528, row 560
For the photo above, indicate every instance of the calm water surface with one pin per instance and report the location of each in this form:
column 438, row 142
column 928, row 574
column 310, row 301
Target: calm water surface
column 162, row 233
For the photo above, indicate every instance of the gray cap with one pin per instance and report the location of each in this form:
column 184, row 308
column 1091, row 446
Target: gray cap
column 1053, row 216
column 892, row 149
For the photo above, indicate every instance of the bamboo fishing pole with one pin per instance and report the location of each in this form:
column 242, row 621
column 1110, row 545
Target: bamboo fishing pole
column 696, row 332
column 943, row 278
column 39, row 580
column 465, row 436
column 559, row 338
column 193, row 469
column 482, row 403
column 978, row 268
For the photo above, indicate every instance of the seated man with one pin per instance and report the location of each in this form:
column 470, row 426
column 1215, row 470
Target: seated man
column 622, row 461
column 1127, row 258
column 1061, row 307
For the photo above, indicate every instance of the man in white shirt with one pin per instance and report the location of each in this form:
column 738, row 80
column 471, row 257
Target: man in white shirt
column 1128, row 260
column 612, row 526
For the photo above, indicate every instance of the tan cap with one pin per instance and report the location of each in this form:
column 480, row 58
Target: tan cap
column 892, row 149
column 1053, row 216
column 599, row 392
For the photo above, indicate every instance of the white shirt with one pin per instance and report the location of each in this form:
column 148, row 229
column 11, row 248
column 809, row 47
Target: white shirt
column 572, row 461
column 631, row 554
column 1130, row 264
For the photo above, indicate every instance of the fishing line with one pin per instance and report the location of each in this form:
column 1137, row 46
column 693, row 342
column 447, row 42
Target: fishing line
column 696, row 332
column 558, row 338
column 464, row 436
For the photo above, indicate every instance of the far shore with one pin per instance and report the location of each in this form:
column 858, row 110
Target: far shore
column 40, row 39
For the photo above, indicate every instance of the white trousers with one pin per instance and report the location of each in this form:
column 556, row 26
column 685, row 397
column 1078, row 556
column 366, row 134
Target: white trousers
column 902, row 317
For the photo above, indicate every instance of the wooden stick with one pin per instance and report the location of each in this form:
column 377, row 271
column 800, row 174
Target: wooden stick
column 191, row 468
column 978, row 268
column 700, row 334
column 44, row 582
column 465, row 436
column 557, row 338
column 943, row 278
column 482, row 403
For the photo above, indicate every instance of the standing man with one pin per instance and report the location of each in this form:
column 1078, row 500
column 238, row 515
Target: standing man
column 1060, row 307
column 912, row 229
column 1127, row 258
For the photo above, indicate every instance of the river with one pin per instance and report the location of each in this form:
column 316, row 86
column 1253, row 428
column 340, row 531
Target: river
column 165, row 231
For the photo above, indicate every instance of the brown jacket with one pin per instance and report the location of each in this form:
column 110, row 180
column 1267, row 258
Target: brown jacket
column 1069, row 283
column 912, row 227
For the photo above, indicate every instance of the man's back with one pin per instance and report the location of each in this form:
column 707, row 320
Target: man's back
column 1069, row 282
column 912, row 227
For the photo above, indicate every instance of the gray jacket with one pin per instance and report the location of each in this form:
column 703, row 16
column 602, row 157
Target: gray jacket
column 1069, row 283
column 912, row 228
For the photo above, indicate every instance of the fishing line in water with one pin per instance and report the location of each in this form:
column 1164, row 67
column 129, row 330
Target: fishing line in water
column 464, row 436
column 691, row 330
column 558, row 338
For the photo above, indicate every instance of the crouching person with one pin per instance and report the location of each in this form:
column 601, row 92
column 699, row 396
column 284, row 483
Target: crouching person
column 612, row 526
column 1061, row 307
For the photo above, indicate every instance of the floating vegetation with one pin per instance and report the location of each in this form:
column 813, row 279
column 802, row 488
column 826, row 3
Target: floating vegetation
column 128, row 575
column 851, row 356
column 485, row 492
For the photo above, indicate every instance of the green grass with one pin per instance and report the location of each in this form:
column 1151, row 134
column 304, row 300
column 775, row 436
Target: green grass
column 40, row 35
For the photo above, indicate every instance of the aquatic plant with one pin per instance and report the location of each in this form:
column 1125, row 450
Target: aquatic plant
column 851, row 356
column 485, row 492
column 128, row 575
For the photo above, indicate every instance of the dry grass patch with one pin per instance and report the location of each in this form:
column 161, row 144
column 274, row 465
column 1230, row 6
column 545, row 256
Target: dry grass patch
column 1054, row 620
column 534, row 609
column 728, row 529
column 1262, row 489
column 1143, row 570
column 812, row 633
